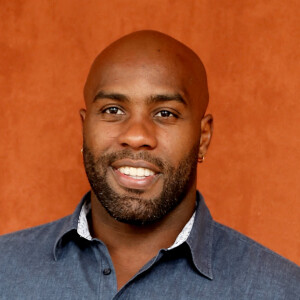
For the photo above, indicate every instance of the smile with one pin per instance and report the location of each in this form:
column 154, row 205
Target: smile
column 136, row 173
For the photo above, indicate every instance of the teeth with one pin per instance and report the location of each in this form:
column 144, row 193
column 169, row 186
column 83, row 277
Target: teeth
column 140, row 172
column 136, row 172
column 132, row 171
column 127, row 170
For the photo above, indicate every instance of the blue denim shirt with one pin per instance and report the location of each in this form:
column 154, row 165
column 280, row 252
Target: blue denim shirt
column 53, row 262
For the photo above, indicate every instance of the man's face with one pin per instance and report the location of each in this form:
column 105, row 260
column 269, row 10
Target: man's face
column 141, row 139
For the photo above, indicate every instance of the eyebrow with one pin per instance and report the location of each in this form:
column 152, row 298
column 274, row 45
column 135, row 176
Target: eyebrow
column 153, row 98
column 113, row 96
column 166, row 97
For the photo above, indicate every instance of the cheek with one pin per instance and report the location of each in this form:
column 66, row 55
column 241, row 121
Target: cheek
column 97, row 136
column 176, row 145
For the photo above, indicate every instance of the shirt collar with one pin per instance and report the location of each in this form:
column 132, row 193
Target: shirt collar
column 199, row 237
column 69, row 226
column 84, row 232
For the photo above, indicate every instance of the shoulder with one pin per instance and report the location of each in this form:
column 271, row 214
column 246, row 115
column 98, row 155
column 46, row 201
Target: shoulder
column 31, row 240
column 238, row 240
column 245, row 260
column 35, row 231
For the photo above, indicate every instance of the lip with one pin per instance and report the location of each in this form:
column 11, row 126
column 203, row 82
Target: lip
column 135, row 164
column 135, row 183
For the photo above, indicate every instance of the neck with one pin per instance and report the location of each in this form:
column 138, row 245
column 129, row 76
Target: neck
column 152, row 237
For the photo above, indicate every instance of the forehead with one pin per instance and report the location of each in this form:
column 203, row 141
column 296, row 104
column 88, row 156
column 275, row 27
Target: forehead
column 144, row 74
column 133, row 76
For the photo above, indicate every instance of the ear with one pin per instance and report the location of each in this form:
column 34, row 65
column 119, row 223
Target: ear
column 82, row 113
column 206, row 134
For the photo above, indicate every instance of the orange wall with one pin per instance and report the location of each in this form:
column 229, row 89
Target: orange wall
column 250, row 178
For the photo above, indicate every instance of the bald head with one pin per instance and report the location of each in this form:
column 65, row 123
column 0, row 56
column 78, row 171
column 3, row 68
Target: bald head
column 151, row 50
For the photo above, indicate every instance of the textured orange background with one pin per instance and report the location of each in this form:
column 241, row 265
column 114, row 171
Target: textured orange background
column 250, row 178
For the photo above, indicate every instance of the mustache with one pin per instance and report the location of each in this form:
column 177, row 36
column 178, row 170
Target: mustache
column 109, row 158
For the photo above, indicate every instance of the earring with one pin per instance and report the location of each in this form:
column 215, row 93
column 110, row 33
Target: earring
column 201, row 158
column 81, row 150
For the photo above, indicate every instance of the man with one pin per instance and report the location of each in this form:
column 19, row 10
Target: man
column 143, row 232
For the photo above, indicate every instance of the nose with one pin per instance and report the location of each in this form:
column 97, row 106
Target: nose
column 138, row 135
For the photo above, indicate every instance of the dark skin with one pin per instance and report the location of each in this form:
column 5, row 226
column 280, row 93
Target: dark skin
column 152, row 94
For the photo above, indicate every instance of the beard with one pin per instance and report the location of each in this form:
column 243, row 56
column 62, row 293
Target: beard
column 131, row 207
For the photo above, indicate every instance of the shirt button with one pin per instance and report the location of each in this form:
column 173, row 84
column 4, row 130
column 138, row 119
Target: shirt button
column 107, row 271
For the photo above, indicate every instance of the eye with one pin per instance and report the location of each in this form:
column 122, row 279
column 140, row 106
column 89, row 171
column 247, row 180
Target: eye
column 113, row 111
column 165, row 114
